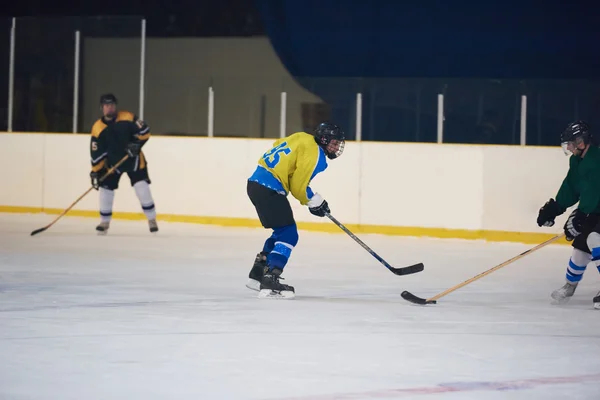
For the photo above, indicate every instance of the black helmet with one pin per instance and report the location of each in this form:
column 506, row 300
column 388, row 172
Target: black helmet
column 108, row 98
column 325, row 132
column 576, row 132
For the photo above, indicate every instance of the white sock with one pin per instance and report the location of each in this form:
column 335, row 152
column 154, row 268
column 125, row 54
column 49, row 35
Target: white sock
column 106, row 204
column 142, row 189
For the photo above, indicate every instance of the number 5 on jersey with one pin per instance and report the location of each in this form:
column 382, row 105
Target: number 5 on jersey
column 272, row 156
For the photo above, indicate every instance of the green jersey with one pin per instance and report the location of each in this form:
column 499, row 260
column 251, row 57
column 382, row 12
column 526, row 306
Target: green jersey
column 582, row 183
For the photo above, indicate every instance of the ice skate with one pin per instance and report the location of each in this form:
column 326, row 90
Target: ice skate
column 153, row 225
column 597, row 301
column 270, row 287
column 564, row 294
column 103, row 228
column 257, row 272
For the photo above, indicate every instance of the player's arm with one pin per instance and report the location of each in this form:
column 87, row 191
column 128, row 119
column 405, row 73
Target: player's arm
column 98, row 154
column 588, row 203
column 589, row 199
column 143, row 133
column 567, row 196
column 140, row 137
column 309, row 164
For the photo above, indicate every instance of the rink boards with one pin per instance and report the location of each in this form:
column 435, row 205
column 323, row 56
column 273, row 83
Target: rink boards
column 413, row 189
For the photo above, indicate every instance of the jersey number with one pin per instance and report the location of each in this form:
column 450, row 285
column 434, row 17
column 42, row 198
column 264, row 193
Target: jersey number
column 271, row 157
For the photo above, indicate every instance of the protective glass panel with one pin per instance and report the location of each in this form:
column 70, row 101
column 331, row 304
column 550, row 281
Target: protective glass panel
column 45, row 70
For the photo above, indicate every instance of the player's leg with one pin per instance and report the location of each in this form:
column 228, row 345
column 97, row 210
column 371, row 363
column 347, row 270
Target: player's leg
column 578, row 262
column 259, row 196
column 575, row 269
column 286, row 238
column 274, row 212
column 106, row 194
column 593, row 242
column 140, row 180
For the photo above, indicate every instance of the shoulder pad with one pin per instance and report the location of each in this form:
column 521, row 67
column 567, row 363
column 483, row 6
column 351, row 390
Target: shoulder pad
column 98, row 127
column 125, row 116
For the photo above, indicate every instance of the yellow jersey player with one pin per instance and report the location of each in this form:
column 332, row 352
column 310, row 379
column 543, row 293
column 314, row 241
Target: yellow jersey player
column 114, row 135
column 288, row 167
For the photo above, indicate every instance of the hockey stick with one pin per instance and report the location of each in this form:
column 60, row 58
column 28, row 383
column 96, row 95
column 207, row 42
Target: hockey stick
column 411, row 269
column 433, row 300
column 110, row 171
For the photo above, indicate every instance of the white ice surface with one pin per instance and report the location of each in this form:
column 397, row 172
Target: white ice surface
column 137, row 316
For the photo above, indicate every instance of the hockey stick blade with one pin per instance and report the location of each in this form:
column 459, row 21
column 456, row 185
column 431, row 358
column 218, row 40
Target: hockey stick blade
column 110, row 171
column 411, row 269
column 38, row 231
column 406, row 295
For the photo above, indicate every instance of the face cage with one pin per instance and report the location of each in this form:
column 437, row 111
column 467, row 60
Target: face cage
column 339, row 151
column 574, row 143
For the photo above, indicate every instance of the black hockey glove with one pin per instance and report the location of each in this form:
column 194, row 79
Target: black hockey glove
column 95, row 177
column 574, row 224
column 133, row 149
column 318, row 206
column 548, row 213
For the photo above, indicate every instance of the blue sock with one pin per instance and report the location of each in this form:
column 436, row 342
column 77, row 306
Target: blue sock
column 575, row 272
column 596, row 257
column 284, row 240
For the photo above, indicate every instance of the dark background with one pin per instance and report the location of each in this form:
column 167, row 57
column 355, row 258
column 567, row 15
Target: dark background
column 547, row 50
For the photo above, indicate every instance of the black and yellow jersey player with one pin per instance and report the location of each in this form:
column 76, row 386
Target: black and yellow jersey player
column 116, row 134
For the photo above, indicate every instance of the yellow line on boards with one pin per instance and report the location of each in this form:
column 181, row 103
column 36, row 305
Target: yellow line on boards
column 488, row 235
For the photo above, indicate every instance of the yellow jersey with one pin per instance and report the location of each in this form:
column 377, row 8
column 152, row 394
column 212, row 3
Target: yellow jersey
column 290, row 165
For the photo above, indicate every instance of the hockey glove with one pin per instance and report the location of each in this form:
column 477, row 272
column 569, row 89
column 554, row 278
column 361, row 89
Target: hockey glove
column 574, row 224
column 318, row 206
column 133, row 149
column 95, row 177
column 548, row 213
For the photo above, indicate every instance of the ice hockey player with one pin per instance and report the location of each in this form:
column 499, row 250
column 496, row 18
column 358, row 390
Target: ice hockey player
column 114, row 135
column 288, row 167
column 582, row 184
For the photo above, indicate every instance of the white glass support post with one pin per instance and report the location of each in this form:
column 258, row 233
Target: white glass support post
column 211, row 112
column 76, row 81
column 11, row 75
column 282, row 114
column 523, row 120
column 142, row 68
column 358, row 117
column 440, row 119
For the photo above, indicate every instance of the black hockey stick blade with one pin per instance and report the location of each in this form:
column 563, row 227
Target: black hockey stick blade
column 38, row 231
column 406, row 295
column 411, row 269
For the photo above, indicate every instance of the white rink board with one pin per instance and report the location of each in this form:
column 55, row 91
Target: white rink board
column 470, row 187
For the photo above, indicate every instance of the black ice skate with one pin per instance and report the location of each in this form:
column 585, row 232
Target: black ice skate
column 257, row 271
column 597, row 301
column 103, row 228
column 153, row 225
column 270, row 287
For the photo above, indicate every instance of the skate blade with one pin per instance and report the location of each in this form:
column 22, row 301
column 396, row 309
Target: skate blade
column 253, row 284
column 273, row 294
column 560, row 301
column 102, row 233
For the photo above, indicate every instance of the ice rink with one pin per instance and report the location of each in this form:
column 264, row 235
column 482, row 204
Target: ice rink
column 139, row 316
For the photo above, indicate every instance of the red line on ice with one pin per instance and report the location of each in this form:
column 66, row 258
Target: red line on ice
column 452, row 387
